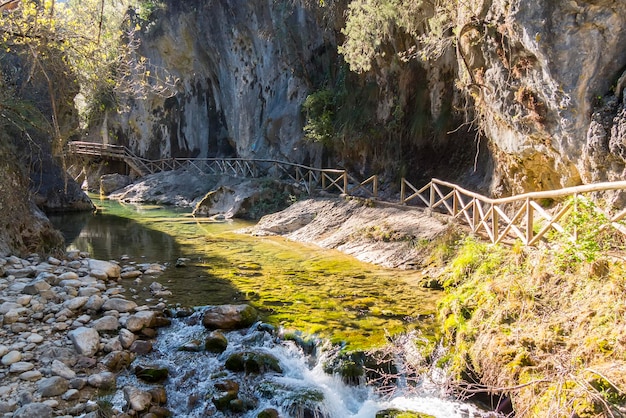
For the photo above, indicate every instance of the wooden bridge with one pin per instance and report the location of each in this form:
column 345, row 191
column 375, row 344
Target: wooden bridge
column 522, row 217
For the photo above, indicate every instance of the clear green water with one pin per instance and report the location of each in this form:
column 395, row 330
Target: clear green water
column 293, row 285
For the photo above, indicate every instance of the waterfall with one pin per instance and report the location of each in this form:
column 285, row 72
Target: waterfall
column 298, row 386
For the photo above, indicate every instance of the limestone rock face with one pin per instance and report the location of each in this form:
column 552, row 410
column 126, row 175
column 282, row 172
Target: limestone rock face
column 242, row 72
column 537, row 70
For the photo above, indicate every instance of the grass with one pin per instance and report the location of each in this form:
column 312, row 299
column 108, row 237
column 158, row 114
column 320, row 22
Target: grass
column 552, row 339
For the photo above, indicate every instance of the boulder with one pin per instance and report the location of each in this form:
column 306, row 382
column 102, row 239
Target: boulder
column 140, row 320
column 119, row 304
column 112, row 182
column 112, row 270
column 52, row 386
column 58, row 368
column 106, row 323
column 228, row 317
column 137, row 399
column 86, row 341
column 36, row 286
column 34, row 410
column 252, row 362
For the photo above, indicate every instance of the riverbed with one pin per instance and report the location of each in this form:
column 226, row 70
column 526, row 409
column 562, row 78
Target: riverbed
column 294, row 285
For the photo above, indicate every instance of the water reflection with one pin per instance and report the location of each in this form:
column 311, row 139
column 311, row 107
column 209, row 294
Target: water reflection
column 293, row 285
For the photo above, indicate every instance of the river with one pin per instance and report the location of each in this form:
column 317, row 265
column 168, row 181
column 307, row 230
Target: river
column 319, row 294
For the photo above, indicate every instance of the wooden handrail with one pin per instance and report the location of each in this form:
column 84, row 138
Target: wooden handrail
column 514, row 217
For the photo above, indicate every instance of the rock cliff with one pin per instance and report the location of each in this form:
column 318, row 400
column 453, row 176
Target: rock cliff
column 538, row 83
column 538, row 71
column 242, row 70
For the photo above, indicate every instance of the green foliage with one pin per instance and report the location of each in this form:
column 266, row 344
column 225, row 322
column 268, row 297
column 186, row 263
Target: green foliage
column 370, row 24
column 148, row 7
column 586, row 235
column 319, row 110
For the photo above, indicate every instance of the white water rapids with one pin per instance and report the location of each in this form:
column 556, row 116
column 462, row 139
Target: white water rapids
column 302, row 390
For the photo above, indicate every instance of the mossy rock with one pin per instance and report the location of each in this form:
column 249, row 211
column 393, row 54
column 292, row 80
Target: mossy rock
column 349, row 366
column 252, row 362
column 151, row 374
column 216, row 342
column 222, row 402
column 396, row 413
column 268, row 413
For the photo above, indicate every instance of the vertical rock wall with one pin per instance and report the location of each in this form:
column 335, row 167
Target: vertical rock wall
column 537, row 71
column 243, row 69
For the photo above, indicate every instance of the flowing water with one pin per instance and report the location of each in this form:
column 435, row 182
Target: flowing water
column 295, row 287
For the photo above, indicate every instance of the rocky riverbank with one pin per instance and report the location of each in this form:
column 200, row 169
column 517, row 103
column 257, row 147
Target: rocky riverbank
column 372, row 231
column 67, row 328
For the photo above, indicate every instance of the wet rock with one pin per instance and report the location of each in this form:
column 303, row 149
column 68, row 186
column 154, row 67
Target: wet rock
column 141, row 347
column 268, row 413
column 159, row 395
column 193, row 346
column 252, row 362
column 131, row 274
column 228, row 317
column 86, row 341
column 52, row 386
column 216, row 342
column 137, row 399
column 117, row 360
column 34, row 410
column 151, row 374
column 160, row 412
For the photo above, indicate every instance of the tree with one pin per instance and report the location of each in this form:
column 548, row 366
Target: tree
column 84, row 47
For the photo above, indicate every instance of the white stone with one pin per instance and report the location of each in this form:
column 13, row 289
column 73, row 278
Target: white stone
column 34, row 338
column 76, row 303
column 112, row 270
column 21, row 367
column 11, row 357
column 86, row 341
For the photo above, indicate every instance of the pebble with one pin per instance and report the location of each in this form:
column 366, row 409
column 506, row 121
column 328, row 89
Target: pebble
column 52, row 312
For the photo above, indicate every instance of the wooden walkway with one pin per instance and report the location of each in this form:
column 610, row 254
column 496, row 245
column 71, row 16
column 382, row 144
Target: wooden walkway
column 520, row 217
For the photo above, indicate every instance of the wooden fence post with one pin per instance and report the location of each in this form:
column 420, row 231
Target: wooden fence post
column 375, row 186
column 529, row 222
column 494, row 223
column 402, row 191
column 345, row 182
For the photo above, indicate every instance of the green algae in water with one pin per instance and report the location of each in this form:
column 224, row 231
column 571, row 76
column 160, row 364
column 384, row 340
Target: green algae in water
column 294, row 285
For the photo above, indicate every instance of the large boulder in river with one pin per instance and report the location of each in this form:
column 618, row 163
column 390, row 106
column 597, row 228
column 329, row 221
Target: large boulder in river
column 112, row 182
column 249, row 199
column 229, row 317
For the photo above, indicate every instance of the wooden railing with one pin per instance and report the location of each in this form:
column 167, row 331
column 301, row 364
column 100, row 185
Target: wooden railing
column 519, row 217
column 311, row 178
